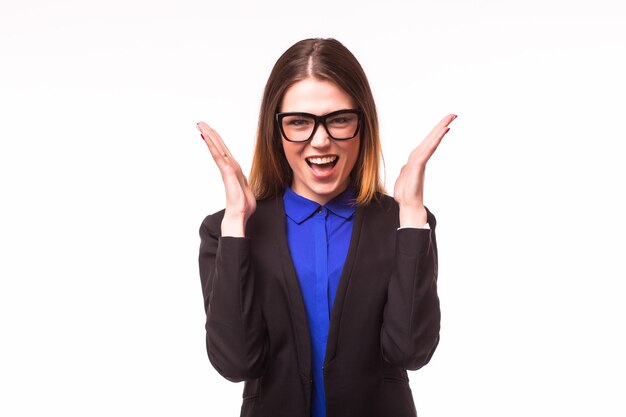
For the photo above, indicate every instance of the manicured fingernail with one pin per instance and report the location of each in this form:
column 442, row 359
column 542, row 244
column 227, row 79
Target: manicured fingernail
column 202, row 136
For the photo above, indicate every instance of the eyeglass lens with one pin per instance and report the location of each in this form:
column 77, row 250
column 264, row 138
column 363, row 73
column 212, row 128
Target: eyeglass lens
column 339, row 126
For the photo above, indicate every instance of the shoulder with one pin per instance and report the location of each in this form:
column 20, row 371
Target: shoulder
column 384, row 206
column 381, row 213
column 266, row 208
column 211, row 225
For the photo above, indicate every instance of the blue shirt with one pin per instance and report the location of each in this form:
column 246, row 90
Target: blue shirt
column 319, row 237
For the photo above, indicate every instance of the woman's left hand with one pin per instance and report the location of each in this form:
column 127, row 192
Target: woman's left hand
column 409, row 188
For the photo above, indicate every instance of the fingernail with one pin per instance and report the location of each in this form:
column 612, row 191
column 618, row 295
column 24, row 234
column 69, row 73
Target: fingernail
column 202, row 136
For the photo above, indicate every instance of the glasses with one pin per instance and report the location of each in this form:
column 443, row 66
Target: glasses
column 300, row 127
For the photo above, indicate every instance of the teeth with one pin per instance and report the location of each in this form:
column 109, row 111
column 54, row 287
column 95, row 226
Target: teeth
column 324, row 160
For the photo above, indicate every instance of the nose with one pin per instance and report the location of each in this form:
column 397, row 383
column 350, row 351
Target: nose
column 320, row 139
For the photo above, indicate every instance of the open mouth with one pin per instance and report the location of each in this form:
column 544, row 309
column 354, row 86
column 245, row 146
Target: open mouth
column 323, row 162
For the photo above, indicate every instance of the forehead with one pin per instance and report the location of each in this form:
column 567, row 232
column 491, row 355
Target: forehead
column 315, row 96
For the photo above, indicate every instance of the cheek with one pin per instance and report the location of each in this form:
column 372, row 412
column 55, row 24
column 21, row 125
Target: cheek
column 291, row 153
column 353, row 153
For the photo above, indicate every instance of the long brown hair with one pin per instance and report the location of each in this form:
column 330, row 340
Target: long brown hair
column 323, row 59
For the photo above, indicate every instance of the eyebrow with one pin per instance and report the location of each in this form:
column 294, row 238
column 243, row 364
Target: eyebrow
column 319, row 115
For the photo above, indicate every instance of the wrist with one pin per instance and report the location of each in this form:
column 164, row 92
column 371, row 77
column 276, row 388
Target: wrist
column 411, row 216
column 233, row 225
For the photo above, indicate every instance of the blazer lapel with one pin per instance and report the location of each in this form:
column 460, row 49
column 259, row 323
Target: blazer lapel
column 342, row 289
column 299, row 320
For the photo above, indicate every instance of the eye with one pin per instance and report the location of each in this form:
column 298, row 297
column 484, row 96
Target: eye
column 298, row 122
column 342, row 119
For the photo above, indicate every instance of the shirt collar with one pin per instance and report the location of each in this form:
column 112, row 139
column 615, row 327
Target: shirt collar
column 299, row 208
column 344, row 204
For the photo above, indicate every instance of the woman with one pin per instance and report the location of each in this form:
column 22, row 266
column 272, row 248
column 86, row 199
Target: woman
column 320, row 290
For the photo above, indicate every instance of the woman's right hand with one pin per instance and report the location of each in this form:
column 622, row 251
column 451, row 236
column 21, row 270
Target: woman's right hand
column 240, row 201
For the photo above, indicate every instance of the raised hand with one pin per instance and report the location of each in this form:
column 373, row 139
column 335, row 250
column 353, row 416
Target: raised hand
column 409, row 188
column 240, row 201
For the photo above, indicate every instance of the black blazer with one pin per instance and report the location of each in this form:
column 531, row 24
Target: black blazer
column 385, row 318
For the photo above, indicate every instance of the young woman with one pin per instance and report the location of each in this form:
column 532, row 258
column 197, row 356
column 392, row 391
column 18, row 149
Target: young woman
column 320, row 290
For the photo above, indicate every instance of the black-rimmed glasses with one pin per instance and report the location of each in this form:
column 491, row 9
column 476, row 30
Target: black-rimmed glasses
column 300, row 127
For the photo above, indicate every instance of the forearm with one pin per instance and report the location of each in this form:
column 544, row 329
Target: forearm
column 236, row 335
column 411, row 318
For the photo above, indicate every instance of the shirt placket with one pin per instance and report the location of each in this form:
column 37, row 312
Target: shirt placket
column 321, row 272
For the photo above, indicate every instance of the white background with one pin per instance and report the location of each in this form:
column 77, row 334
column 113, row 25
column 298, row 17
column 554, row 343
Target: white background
column 104, row 182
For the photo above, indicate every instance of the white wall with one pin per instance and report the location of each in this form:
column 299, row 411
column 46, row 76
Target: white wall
column 105, row 180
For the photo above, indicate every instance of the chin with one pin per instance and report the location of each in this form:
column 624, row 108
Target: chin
column 328, row 191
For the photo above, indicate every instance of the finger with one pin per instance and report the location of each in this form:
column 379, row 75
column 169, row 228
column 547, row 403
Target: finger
column 448, row 119
column 430, row 143
column 435, row 134
column 424, row 151
column 217, row 139
column 442, row 125
column 221, row 154
column 437, row 140
column 215, row 146
column 229, row 157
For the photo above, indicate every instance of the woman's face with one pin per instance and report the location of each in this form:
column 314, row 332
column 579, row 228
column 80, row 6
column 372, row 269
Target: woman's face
column 321, row 166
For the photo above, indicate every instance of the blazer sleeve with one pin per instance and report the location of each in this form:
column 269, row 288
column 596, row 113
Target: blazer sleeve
column 236, row 337
column 411, row 319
